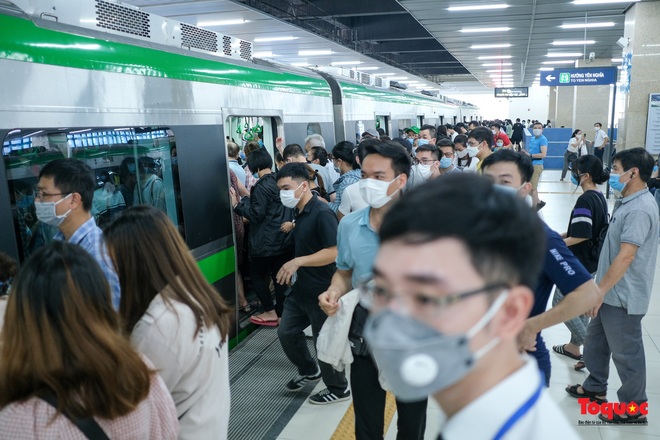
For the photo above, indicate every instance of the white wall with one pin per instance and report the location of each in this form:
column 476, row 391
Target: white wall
column 533, row 107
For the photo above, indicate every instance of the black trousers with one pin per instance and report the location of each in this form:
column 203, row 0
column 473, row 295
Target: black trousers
column 264, row 269
column 369, row 406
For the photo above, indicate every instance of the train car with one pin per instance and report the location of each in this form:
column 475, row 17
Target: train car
column 152, row 119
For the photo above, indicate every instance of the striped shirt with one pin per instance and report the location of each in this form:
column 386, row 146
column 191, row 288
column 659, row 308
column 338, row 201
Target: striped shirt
column 341, row 184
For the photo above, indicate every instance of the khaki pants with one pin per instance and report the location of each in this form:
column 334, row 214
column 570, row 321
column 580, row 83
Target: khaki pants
column 538, row 169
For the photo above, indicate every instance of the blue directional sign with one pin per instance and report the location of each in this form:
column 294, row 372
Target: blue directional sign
column 589, row 76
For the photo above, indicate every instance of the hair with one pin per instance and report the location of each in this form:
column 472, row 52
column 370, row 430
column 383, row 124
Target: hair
column 151, row 258
column 505, row 239
column 445, row 142
column 385, row 138
column 482, row 134
column 316, row 140
column 321, row 154
column 250, row 147
column 232, row 149
column 636, row 158
column 473, row 123
column 435, row 151
column 363, row 145
column 575, row 132
column 432, row 131
column 442, row 131
column 537, row 123
column 401, row 162
column 404, row 143
column 259, row 160
column 72, row 176
column 292, row 150
column 296, row 171
column 449, row 126
column 598, row 124
column 517, row 119
column 593, row 166
column 62, row 335
column 496, row 125
column 8, row 270
column 344, row 150
column 460, row 139
column 523, row 162
column 124, row 167
column 381, row 132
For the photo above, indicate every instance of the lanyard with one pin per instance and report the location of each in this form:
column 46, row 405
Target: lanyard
column 520, row 412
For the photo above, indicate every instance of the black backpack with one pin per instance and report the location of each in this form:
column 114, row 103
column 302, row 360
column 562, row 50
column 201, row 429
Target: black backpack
column 597, row 245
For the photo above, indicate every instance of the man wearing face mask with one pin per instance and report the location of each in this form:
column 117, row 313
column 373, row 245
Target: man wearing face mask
column 309, row 272
column 385, row 170
column 600, row 140
column 480, row 140
column 64, row 199
column 513, row 171
column 427, row 135
column 536, row 150
column 500, row 138
column 626, row 268
column 447, row 157
column 448, row 300
column 427, row 162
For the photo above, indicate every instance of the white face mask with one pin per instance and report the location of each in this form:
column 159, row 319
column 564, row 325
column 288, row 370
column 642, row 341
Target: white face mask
column 47, row 212
column 537, row 131
column 374, row 192
column 424, row 171
column 494, row 132
column 472, row 151
column 596, row 128
column 288, row 197
column 578, row 136
column 461, row 154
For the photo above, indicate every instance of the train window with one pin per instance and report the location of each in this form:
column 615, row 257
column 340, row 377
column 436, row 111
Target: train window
column 131, row 165
column 244, row 129
column 383, row 123
column 314, row 128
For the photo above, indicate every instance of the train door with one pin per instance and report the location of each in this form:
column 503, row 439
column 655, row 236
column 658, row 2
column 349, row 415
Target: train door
column 245, row 126
column 383, row 122
column 442, row 119
column 455, row 119
column 420, row 120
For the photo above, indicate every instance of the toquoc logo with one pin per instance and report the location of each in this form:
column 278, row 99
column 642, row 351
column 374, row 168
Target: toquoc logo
column 609, row 409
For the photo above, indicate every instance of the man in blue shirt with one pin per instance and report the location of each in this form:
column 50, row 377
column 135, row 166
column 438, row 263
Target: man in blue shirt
column 385, row 171
column 64, row 199
column 536, row 150
column 233, row 151
column 560, row 266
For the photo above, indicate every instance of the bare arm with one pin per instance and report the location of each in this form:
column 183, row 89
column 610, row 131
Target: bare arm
column 321, row 258
column 340, row 285
column 616, row 271
column 572, row 241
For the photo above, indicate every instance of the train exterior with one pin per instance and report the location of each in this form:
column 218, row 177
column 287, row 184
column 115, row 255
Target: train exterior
column 152, row 121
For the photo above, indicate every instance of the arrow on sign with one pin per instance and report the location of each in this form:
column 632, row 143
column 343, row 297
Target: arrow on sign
column 550, row 78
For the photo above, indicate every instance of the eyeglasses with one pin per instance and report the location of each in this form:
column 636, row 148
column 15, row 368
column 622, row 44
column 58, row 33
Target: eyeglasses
column 378, row 297
column 40, row 194
column 423, row 161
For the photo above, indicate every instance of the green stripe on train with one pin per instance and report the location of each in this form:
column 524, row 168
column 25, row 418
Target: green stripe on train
column 219, row 265
column 22, row 40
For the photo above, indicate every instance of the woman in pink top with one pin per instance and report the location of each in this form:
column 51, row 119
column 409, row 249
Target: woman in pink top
column 62, row 342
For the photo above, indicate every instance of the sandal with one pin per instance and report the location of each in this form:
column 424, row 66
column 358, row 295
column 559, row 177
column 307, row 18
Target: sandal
column 637, row 419
column 268, row 323
column 579, row 366
column 593, row 396
column 561, row 349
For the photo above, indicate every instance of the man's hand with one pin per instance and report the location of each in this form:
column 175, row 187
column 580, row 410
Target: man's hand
column 594, row 312
column 329, row 301
column 286, row 227
column 527, row 337
column 233, row 196
column 279, row 144
column 286, row 271
column 435, row 169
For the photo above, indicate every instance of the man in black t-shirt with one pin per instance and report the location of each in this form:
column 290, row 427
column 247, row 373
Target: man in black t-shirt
column 517, row 136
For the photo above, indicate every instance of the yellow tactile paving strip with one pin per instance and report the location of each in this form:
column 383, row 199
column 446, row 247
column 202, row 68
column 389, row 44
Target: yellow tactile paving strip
column 346, row 428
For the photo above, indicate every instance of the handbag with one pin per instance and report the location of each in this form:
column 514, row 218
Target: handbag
column 597, row 245
column 88, row 426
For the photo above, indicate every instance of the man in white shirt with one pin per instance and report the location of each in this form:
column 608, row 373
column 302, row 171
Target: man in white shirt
column 448, row 327
column 316, row 140
column 600, row 140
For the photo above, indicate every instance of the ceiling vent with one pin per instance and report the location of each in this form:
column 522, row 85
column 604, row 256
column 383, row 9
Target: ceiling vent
column 398, row 85
column 122, row 19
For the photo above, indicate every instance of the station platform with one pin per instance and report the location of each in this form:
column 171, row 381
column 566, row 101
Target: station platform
column 262, row 408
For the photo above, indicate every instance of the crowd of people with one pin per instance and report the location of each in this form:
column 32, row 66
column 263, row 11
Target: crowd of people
column 418, row 260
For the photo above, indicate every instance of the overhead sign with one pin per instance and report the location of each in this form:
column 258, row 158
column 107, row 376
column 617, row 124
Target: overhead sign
column 588, row 76
column 653, row 124
column 511, row 92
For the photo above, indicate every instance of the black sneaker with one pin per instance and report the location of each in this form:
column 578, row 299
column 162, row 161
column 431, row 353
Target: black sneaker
column 300, row 381
column 326, row 396
column 540, row 205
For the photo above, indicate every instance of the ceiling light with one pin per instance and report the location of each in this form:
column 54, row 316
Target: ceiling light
column 495, row 57
column 572, row 42
column 484, row 29
column 496, row 64
column 547, row 69
column 368, row 68
column 499, row 70
column 563, row 54
column 311, row 53
column 220, row 22
column 477, row 7
column 559, row 62
column 74, row 132
column 596, row 2
column 345, row 63
column 265, row 54
column 265, row 40
column 300, row 64
column 399, row 78
column 617, row 60
column 386, row 74
column 587, row 25
column 489, row 46
column 503, row 75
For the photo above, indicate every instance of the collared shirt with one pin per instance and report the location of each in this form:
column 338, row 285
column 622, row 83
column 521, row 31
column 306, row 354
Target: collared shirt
column 238, row 170
column 357, row 245
column 544, row 420
column 534, row 147
column 634, row 221
column 351, row 199
column 90, row 237
column 599, row 139
column 340, row 185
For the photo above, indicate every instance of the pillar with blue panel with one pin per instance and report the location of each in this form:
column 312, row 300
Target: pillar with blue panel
column 557, row 143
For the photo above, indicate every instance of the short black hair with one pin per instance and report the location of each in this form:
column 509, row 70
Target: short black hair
column 259, row 160
column 537, row 123
column 362, row 145
column 473, row 123
column 636, row 158
column 321, row 154
column 445, row 142
column 401, row 162
column 344, row 151
column 504, row 237
column 292, row 150
column 593, row 166
column 435, row 151
column 598, row 124
column 432, row 131
column 495, row 124
column 461, row 139
column 482, row 134
column 297, row 171
column 404, row 143
column 523, row 162
column 72, row 176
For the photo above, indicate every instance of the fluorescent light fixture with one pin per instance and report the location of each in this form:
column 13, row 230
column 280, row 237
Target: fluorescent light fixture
column 563, row 54
column 559, row 62
column 122, row 129
column 474, row 30
column 587, row 25
column 495, row 57
column 601, row 2
column 495, row 64
column 412, row 82
column 499, row 70
column 18, row 130
column 386, row 74
column 477, row 7
column 264, row 54
column 368, row 68
column 40, row 131
column 311, row 53
column 80, row 131
column 572, row 42
column 489, row 46
column 300, row 64
column 398, row 78
column 547, row 69
column 268, row 39
column 221, row 22
column 617, row 60
column 501, row 75
column 345, row 63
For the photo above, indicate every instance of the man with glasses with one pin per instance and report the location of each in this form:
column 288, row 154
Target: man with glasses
column 63, row 199
column 426, row 164
column 452, row 288
column 447, row 157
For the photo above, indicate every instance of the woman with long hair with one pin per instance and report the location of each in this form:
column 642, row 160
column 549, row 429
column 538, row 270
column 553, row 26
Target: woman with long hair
column 576, row 148
column 588, row 218
column 63, row 357
column 175, row 318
